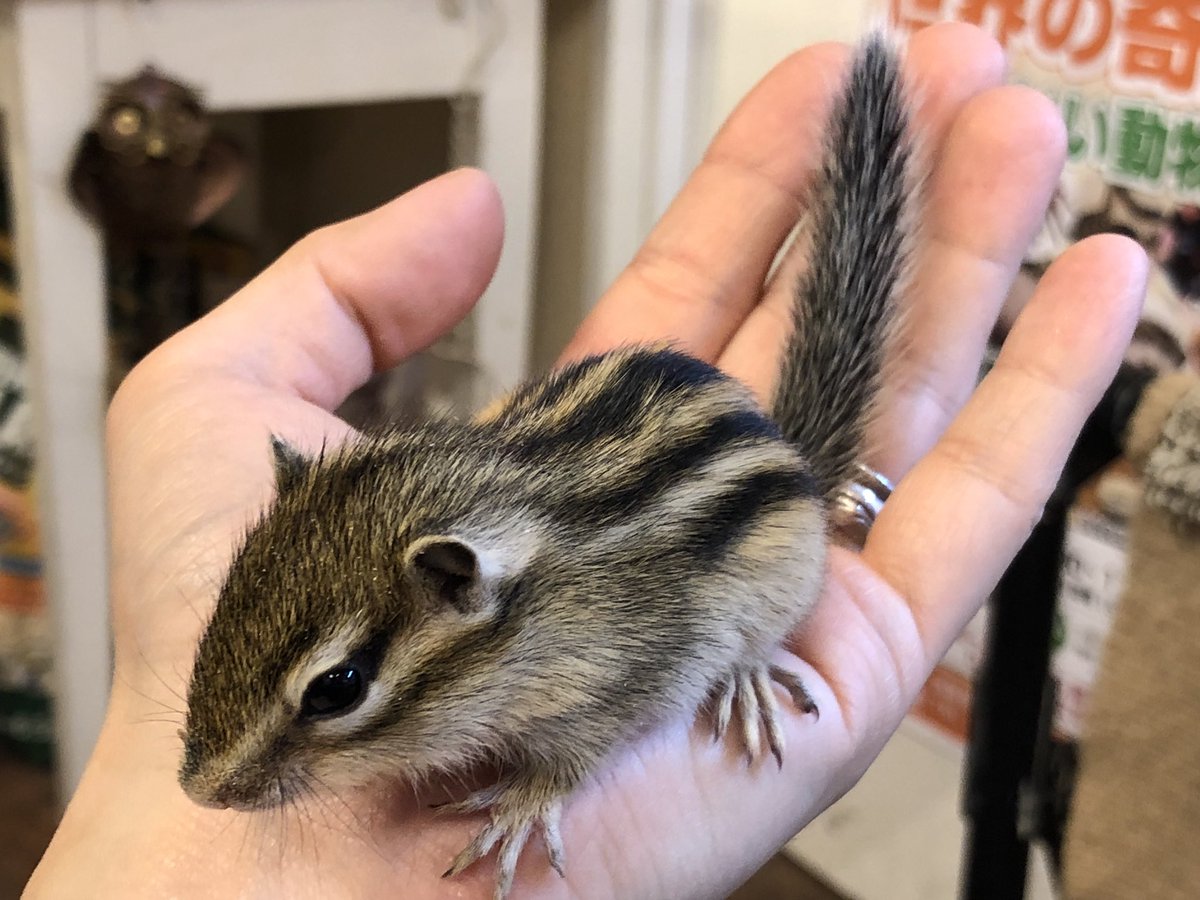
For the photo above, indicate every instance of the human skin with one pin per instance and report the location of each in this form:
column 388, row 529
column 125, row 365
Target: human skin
column 675, row 815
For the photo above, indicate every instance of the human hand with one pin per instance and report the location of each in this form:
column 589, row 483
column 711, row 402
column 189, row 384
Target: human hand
column 676, row 815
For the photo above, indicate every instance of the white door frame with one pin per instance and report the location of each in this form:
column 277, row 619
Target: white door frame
column 653, row 91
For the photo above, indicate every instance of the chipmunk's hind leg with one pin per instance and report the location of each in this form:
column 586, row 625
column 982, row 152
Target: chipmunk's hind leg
column 748, row 695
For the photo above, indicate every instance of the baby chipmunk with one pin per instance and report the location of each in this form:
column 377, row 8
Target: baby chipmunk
column 618, row 544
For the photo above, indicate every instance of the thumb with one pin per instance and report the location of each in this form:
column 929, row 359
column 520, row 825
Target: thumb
column 350, row 299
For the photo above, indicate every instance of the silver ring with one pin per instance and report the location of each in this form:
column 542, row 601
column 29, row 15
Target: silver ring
column 856, row 504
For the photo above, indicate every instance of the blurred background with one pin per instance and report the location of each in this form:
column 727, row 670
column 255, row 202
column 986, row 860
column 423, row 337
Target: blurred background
column 159, row 153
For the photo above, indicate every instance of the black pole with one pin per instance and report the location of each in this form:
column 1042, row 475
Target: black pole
column 1007, row 721
column 1004, row 724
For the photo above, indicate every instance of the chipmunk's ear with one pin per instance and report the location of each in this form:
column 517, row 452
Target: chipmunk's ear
column 290, row 465
column 450, row 572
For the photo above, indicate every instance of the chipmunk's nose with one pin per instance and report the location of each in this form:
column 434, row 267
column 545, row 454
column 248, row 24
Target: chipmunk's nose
column 210, row 801
column 202, row 789
column 217, row 781
column 209, row 786
column 233, row 792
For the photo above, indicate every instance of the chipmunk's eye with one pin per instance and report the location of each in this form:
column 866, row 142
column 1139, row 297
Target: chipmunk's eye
column 333, row 692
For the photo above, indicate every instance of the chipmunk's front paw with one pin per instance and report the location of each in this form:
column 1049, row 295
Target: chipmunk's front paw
column 748, row 693
column 516, row 811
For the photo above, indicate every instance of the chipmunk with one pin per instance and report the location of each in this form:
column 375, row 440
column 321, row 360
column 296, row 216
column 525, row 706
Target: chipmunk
column 615, row 545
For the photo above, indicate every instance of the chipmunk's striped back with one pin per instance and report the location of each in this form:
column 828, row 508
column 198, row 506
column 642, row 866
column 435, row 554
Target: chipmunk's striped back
column 645, row 433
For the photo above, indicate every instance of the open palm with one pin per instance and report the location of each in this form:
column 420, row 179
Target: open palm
column 677, row 815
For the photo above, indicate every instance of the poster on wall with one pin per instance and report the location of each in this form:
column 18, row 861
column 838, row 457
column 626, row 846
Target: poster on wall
column 1123, row 74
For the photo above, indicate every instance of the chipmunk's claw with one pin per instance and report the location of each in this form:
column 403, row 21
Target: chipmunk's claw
column 477, row 801
column 515, row 813
column 801, row 698
column 747, row 695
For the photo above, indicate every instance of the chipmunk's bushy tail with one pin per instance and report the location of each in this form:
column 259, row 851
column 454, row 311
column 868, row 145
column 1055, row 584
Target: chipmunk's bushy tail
column 857, row 233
